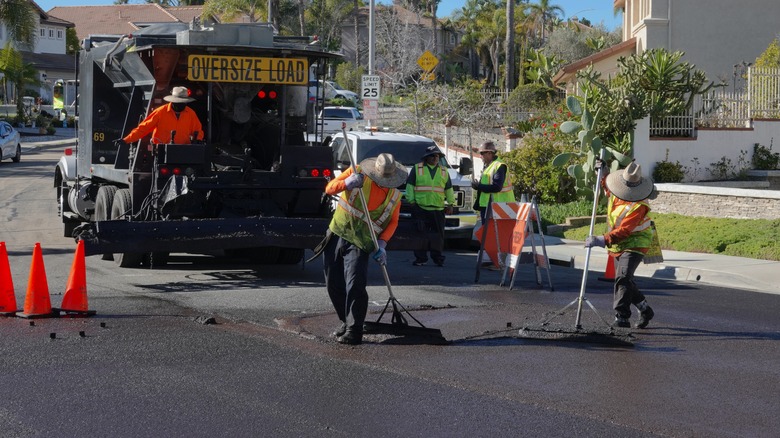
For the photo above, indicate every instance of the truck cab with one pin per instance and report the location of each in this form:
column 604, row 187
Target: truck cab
column 408, row 150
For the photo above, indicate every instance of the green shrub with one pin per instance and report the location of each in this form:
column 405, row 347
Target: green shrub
column 533, row 174
column 553, row 214
column 668, row 172
column 764, row 158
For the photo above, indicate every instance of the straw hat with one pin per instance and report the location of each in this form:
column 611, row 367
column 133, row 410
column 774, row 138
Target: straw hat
column 487, row 146
column 629, row 185
column 179, row 95
column 432, row 150
column 384, row 171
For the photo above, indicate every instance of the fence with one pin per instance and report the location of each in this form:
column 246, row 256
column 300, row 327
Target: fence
column 724, row 109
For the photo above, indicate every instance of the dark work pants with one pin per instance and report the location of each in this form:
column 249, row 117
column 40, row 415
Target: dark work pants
column 346, row 269
column 626, row 293
column 431, row 222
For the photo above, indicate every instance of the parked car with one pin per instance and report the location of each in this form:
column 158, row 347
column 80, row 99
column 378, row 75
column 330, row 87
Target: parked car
column 331, row 90
column 332, row 117
column 408, row 150
column 10, row 145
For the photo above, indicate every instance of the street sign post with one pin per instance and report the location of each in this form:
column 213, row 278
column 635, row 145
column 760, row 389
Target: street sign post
column 370, row 87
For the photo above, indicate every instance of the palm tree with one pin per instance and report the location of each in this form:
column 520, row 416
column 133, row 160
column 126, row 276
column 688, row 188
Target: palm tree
column 21, row 74
column 227, row 10
column 542, row 13
column 20, row 19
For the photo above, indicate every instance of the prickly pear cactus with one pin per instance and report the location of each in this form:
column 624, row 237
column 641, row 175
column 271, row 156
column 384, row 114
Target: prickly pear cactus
column 590, row 148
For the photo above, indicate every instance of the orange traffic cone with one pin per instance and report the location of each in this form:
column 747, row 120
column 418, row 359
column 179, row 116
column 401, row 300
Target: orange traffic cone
column 7, row 297
column 609, row 272
column 74, row 302
column 37, row 303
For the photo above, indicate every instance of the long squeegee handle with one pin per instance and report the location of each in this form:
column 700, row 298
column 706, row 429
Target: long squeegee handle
column 364, row 205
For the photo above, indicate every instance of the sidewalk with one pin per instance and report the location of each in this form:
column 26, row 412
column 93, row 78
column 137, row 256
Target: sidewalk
column 30, row 138
column 716, row 270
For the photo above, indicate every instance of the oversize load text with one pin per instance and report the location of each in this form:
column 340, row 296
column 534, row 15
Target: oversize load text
column 291, row 71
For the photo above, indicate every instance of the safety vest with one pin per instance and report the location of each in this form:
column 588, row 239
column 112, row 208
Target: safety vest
column 429, row 191
column 58, row 102
column 641, row 236
column 505, row 195
column 349, row 220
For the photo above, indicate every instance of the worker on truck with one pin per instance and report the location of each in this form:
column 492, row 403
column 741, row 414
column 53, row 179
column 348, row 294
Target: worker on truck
column 349, row 241
column 171, row 123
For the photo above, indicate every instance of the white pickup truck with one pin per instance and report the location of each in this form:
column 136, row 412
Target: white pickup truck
column 331, row 118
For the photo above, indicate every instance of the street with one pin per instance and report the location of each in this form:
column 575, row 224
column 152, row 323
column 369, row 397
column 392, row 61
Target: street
column 152, row 363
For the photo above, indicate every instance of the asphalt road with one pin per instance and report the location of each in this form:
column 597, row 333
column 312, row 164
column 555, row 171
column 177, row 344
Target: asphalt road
column 145, row 366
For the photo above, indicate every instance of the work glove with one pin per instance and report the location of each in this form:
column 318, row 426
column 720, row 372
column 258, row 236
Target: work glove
column 599, row 164
column 448, row 209
column 592, row 241
column 381, row 254
column 354, row 181
column 475, row 185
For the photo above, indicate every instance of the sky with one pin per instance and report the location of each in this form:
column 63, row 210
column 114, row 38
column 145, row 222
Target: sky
column 596, row 11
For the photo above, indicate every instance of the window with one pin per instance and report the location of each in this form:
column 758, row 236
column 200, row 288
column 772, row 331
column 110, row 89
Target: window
column 43, row 32
column 51, row 33
column 59, row 34
column 453, row 38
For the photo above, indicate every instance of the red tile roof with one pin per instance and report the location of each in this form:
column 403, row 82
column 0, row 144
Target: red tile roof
column 117, row 19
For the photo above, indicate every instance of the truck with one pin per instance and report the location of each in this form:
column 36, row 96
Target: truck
column 408, row 150
column 332, row 118
column 254, row 186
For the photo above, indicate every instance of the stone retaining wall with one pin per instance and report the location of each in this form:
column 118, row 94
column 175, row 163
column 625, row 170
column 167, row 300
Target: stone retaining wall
column 718, row 202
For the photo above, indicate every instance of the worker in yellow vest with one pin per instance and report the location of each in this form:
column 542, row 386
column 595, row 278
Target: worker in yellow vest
column 58, row 100
column 429, row 190
column 494, row 181
column 348, row 242
column 628, row 238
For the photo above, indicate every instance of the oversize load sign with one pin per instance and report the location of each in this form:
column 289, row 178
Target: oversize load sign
column 290, row 71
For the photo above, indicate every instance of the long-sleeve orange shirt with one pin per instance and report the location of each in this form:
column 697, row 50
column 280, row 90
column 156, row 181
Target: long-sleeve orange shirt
column 627, row 225
column 162, row 121
column 375, row 199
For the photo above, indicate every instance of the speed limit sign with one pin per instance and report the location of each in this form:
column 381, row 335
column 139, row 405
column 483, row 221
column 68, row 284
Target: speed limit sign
column 369, row 89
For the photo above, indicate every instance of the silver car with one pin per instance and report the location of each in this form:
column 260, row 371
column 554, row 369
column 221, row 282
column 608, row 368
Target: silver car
column 9, row 143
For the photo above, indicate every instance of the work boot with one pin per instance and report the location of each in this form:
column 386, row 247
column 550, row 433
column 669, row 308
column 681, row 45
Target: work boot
column 419, row 262
column 645, row 317
column 350, row 338
column 621, row 322
column 439, row 262
column 340, row 330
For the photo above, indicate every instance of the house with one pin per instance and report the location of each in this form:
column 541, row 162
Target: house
column 417, row 23
column 48, row 53
column 719, row 37
column 121, row 19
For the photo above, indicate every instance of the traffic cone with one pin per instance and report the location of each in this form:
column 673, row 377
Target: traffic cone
column 609, row 272
column 74, row 302
column 37, row 303
column 7, row 297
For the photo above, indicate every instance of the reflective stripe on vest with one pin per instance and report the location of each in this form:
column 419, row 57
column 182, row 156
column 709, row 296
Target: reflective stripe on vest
column 505, row 195
column 429, row 191
column 641, row 236
column 349, row 221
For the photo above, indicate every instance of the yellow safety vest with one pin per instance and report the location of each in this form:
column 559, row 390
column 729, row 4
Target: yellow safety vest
column 505, row 195
column 641, row 236
column 349, row 220
column 428, row 192
column 57, row 102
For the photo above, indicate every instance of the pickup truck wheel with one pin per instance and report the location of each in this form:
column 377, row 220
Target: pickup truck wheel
column 103, row 203
column 123, row 203
column 18, row 157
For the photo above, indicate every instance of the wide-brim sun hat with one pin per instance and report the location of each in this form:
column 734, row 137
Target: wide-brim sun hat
column 179, row 95
column 629, row 184
column 432, row 151
column 384, row 171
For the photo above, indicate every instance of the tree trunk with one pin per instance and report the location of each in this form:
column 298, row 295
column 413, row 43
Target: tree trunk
column 510, row 45
column 356, row 9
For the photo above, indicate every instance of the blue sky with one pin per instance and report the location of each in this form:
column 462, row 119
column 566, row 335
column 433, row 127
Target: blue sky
column 594, row 10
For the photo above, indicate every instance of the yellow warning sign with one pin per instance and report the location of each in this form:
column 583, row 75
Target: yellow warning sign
column 427, row 61
column 428, row 76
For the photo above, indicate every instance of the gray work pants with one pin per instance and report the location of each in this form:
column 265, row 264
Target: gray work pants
column 346, row 271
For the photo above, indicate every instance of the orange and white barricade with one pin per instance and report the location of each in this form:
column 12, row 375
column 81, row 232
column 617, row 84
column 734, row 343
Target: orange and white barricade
column 495, row 235
column 527, row 214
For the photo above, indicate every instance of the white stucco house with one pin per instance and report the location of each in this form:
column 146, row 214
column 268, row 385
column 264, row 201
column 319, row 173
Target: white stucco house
column 721, row 38
column 48, row 53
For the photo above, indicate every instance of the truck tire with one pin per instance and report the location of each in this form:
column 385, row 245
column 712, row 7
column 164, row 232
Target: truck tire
column 123, row 203
column 290, row 256
column 103, row 203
